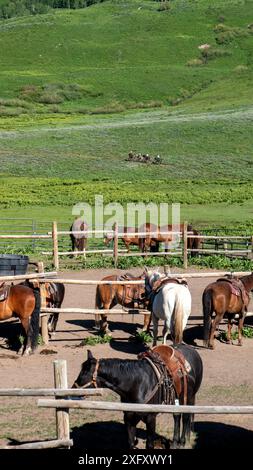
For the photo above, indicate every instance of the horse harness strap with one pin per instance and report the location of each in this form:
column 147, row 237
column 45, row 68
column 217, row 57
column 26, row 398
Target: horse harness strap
column 171, row 370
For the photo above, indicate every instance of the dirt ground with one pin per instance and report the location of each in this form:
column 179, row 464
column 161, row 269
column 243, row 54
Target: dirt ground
column 228, row 377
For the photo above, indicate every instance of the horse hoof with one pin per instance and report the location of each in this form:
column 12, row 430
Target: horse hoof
column 229, row 341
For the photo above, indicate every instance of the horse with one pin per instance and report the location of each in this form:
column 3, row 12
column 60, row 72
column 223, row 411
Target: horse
column 129, row 296
column 136, row 381
column 22, row 302
column 225, row 296
column 55, row 292
column 79, row 241
column 165, row 235
column 127, row 238
column 170, row 300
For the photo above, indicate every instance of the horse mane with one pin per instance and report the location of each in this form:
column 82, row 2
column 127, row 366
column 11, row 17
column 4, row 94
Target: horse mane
column 119, row 366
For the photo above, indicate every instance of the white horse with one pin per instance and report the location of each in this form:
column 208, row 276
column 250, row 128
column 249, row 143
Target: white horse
column 172, row 304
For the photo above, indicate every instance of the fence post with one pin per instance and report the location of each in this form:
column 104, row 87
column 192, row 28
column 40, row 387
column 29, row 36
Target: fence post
column 43, row 297
column 55, row 246
column 116, row 244
column 185, row 240
column 62, row 414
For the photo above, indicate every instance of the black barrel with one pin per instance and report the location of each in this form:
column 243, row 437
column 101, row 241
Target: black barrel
column 12, row 265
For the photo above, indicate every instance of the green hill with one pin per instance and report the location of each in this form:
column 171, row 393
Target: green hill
column 79, row 89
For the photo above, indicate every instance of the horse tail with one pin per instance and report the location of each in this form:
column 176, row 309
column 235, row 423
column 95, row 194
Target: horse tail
column 207, row 304
column 34, row 328
column 178, row 319
column 98, row 300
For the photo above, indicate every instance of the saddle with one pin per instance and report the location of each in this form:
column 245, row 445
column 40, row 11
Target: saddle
column 160, row 283
column 237, row 288
column 168, row 280
column 175, row 364
column 4, row 291
column 132, row 292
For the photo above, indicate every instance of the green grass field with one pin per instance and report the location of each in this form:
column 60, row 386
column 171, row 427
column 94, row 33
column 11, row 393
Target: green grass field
column 81, row 88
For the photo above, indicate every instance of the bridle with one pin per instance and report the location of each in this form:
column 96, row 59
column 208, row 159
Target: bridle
column 93, row 381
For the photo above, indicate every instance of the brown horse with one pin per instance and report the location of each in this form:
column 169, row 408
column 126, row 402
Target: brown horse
column 229, row 297
column 79, row 241
column 165, row 235
column 22, row 302
column 54, row 292
column 127, row 238
column 129, row 296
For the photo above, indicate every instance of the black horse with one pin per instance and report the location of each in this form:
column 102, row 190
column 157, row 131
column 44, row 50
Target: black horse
column 55, row 292
column 134, row 381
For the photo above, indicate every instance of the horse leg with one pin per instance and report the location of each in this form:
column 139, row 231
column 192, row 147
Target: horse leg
column 166, row 330
column 176, row 433
column 26, row 349
column 104, row 330
column 188, row 423
column 52, row 322
column 155, row 328
column 240, row 327
column 147, row 322
column 229, row 339
column 131, row 420
column 150, row 425
column 97, row 322
column 215, row 323
column 186, row 432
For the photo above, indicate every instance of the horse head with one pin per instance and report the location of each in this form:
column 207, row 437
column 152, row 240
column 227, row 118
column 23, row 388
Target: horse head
column 108, row 238
column 150, row 278
column 86, row 377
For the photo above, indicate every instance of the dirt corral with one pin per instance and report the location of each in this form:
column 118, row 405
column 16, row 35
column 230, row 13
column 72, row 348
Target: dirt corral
column 228, row 378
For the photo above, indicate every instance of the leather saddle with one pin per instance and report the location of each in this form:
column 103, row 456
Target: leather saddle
column 4, row 291
column 237, row 288
column 133, row 293
column 160, row 283
column 177, row 366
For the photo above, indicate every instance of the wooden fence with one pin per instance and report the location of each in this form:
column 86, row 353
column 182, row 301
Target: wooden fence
column 182, row 251
column 51, row 277
column 62, row 407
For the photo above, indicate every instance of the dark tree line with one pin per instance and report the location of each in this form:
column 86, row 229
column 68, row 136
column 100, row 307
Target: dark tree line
column 10, row 8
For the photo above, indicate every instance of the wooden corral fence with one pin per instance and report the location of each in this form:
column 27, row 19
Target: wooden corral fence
column 62, row 418
column 51, row 277
column 234, row 241
column 62, row 407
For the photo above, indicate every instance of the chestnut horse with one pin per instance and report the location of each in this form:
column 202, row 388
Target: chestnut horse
column 22, row 302
column 225, row 297
column 129, row 296
column 55, row 292
column 165, row 235
column 127, row 238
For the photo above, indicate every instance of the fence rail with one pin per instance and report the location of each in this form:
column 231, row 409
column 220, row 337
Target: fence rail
column 62, row 407
column 54, row 243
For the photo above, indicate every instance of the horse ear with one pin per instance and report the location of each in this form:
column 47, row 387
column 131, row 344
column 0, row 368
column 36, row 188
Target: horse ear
column 89, row 355
column 145, row 269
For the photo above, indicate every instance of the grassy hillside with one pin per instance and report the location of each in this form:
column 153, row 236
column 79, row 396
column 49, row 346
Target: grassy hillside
column 79, row 89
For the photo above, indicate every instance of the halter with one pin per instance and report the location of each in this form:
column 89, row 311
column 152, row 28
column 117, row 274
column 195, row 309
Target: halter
column 93, row 381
